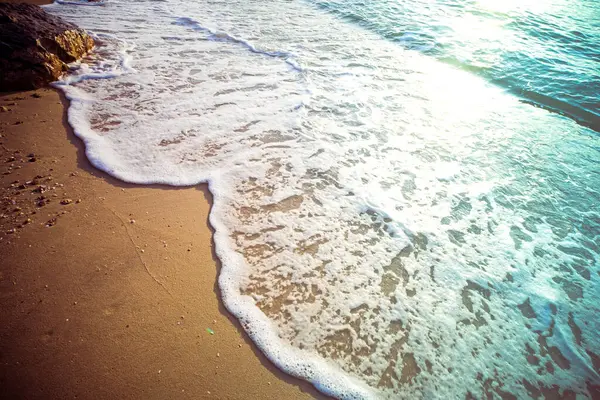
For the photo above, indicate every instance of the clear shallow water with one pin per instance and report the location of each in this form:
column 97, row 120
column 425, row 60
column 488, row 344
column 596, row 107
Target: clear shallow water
column 545, row 51
column 389, row 225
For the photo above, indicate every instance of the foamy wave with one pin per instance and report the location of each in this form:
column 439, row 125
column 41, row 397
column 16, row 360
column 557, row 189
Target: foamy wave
column 223, row 36
column 94, row 3
column 403, row 233
column 109, row 59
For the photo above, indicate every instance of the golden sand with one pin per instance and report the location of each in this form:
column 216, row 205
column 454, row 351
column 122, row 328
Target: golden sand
column 107, row 289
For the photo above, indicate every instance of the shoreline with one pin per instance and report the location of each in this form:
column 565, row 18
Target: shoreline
column 115, row 298
column 337, row 201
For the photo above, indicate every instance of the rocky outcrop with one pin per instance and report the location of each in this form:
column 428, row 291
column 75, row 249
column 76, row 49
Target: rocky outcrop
column 35, row 46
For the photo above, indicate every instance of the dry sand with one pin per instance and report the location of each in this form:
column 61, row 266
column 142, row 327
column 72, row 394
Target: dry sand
column 110, row 296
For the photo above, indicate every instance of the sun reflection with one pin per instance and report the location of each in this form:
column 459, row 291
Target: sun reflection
column 491, row 33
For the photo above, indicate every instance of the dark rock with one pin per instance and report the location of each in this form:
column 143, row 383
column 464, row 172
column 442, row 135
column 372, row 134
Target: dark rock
column 36, row 46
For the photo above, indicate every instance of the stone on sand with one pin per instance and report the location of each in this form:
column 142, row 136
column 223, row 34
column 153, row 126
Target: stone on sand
column 35, row 46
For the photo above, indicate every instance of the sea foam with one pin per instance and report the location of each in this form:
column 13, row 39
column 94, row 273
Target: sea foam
column 388, row 226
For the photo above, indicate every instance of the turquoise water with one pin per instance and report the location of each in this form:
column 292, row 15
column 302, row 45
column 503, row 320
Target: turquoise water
column 545, row 51
column 406, row 195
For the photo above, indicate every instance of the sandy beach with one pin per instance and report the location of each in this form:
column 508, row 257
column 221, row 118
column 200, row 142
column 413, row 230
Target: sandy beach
column 108, row 290
column 404, row 199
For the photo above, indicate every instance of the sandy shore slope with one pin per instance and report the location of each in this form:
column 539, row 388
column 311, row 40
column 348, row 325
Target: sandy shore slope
column 109, row 296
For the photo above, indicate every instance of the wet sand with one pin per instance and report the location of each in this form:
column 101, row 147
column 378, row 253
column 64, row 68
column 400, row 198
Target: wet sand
column 107, row 289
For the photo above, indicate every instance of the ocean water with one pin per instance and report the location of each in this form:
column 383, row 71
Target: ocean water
column 544, row 51
column 406, row 194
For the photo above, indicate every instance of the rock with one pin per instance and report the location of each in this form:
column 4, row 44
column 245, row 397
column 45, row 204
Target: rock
column 66, row 201
column 35, row 46
column 4, row 109
column 42, row 201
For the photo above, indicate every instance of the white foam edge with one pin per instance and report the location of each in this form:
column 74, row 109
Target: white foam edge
column 81, row 3
column 325, row 377
column 287, row 57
